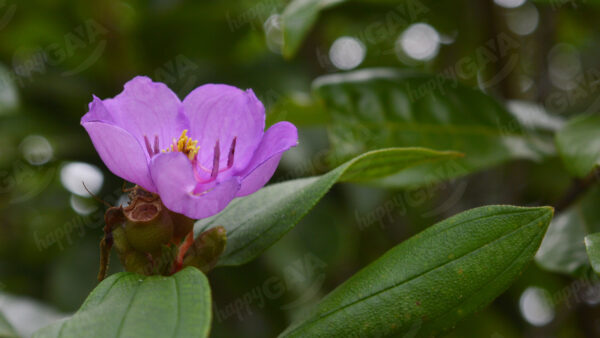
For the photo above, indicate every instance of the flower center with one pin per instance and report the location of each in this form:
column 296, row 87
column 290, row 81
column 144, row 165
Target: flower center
column 185, row 145
column 190, row 148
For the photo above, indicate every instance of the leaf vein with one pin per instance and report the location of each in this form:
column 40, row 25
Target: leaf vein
column 120, row 328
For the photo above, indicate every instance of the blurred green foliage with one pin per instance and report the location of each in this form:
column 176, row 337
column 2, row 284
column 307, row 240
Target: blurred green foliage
column 54, row 54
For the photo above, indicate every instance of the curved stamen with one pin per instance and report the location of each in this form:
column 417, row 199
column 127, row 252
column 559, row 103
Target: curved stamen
column 216, row 158
column 230, row 159
column 216, row 161
column 195, row 166
column 148, row 147
column 231, row 153
column 156, row 147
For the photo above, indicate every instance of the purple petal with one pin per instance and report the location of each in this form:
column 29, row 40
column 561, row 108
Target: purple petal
column 259, row 177
column 279, row 138
column 144, row 108
column 97, row 112
column 222, row 112
column 174, row 178
column 121, row 152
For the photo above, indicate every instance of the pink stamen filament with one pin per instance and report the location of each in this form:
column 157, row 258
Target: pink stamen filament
column 151, row 151
column 216, row 158
column 156, row 145
column 215, row 171
column 231, row 153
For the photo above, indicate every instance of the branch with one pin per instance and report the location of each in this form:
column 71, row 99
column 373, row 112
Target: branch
column 578, row 188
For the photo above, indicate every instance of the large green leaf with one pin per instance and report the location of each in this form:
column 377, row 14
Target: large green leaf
column 375, row 108
column 592, row 245
column 131, row 305
column 563, row 249
column 578, row 144
column 256, row 222
column 426, row 284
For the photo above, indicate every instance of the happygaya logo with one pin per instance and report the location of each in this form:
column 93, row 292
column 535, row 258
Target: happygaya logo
column 302, row 279
column 7, row 12
column 179, row 73
column 498, row 57
column 82, row 47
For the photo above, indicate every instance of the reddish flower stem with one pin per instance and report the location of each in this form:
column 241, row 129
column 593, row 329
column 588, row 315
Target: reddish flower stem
column 185, row 246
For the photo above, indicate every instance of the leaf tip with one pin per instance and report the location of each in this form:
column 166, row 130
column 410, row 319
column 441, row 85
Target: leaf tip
column 549, row 210
column 547, row 213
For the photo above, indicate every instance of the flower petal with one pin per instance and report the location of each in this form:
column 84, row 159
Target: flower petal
column 121, row 152
column 221, row 112
column 174, row 178
column 144, row 108
column 259, row 177
column 279, row 138
column 97, row 112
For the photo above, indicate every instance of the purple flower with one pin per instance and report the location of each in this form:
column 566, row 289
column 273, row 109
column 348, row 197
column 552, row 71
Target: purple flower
column 198, row 154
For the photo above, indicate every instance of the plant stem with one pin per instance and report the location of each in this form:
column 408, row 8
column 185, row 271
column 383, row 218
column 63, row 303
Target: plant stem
column 578, row 188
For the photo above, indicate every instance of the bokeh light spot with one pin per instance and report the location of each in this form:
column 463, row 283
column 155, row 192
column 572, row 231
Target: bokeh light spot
column 36, row 149
column 536, row 307
column 509, row 3
column 523, row 20
column 420, row 41
column 347, row 53
column 74, row 174
column 83, row 206
column 564, row 65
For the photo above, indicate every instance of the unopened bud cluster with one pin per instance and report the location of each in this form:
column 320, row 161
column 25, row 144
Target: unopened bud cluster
column 152, row 240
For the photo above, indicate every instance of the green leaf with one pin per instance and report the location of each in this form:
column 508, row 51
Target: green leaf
column 132, row 305
column 9, row 99
column 423, row 286
column 375, row 108
column 592, row 245
column 297, row 19
column 301, row 110
column 578, row 144
column 300, row 15
column 6, row 330
column 256, row 222
column 563, row 249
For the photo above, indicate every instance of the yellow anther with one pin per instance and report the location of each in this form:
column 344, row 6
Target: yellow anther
column 185, row 145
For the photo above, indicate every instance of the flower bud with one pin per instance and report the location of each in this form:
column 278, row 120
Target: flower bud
column 133, row 261
column 206, row 250
column 152, row 240
column 148, row 225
